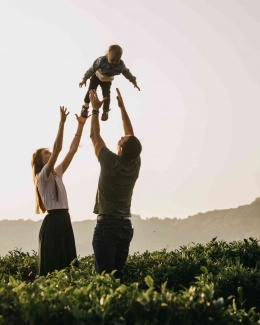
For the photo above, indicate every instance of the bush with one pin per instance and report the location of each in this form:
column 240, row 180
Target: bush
column 216, row 283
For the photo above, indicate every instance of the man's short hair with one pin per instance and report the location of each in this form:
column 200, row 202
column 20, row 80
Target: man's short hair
column 131, row 148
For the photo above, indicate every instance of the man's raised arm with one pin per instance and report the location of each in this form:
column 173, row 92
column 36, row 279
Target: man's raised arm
column 97, row 141
column 127, row 125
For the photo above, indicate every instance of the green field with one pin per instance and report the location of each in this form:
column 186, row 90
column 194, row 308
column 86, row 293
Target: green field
column 216, row 283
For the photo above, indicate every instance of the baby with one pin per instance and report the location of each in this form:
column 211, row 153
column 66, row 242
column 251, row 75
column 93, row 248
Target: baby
column 102, row 73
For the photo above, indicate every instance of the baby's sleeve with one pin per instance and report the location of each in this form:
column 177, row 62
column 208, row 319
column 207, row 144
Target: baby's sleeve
column 127, row 74
column 91, row 71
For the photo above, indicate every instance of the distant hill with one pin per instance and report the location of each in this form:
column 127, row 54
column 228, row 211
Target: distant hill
column 150, row 234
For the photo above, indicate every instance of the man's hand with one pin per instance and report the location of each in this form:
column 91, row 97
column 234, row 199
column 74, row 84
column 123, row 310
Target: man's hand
column 119, row 99
column 128, row 129
column 96, row 103
column 63, row 114
column 135, row 85
column 83, row 82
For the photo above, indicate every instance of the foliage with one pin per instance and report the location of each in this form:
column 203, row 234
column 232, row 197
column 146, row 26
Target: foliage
column 21, row 266
column 216, row 283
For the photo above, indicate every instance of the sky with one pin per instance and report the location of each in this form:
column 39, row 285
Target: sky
column 197, row 114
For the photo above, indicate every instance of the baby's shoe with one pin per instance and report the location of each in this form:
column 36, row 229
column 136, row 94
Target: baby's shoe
column 104, row 116
column 84, row 111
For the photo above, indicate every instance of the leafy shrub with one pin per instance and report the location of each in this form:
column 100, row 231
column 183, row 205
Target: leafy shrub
column 215, row 283
column 22, row 266
column 68, row 297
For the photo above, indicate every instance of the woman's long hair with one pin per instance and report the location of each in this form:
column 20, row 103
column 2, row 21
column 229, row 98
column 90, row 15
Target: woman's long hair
column 37, row 166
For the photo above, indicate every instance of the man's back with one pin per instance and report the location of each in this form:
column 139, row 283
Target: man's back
column 116, row 183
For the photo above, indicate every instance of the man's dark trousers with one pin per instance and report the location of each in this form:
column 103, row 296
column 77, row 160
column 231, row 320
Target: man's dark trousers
column 111, row 241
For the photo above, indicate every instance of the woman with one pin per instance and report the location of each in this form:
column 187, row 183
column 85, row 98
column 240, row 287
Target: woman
column 56, row 239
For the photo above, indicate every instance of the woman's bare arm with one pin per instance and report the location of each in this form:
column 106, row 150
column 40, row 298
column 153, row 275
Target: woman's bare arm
column 75, row 142
column 58, row 141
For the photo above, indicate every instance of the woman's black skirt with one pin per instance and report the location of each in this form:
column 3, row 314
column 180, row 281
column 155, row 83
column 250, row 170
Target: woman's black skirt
column 56, row 248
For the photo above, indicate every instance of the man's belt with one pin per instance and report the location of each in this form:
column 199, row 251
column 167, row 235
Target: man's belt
column 105, row 216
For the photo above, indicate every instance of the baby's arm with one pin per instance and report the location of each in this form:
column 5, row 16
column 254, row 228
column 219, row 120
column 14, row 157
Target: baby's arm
column 91, row 71
column 126, row 72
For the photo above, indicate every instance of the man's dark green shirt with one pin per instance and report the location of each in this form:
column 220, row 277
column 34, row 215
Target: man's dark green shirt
column 116, row 183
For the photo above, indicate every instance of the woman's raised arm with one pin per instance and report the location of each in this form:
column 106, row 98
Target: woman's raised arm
column 75, row 142
column 58, row 141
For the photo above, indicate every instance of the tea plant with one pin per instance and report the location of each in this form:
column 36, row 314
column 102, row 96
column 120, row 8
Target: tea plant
column 215, row 283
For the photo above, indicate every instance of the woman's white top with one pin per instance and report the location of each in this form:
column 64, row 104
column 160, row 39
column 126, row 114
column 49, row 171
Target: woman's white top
column 46, row 187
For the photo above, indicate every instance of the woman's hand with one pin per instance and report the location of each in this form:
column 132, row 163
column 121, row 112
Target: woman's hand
column 63, row 114
column 81, row 120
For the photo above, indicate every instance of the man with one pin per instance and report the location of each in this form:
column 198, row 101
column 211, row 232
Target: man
column 118, row 174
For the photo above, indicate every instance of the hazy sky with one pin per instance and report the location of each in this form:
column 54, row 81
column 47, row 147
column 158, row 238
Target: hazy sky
column 197, row 114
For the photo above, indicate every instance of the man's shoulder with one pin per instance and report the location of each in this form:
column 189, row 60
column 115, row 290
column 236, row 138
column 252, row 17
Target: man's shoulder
column 105, row 151
column 137, row 162
column 131, row 165
column 106, row 156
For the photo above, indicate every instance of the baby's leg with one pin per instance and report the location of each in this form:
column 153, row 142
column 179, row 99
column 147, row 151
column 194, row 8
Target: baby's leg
column 93, row 84
column 105, row 86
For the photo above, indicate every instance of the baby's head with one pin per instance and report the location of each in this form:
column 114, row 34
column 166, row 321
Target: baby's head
column 114, row 54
